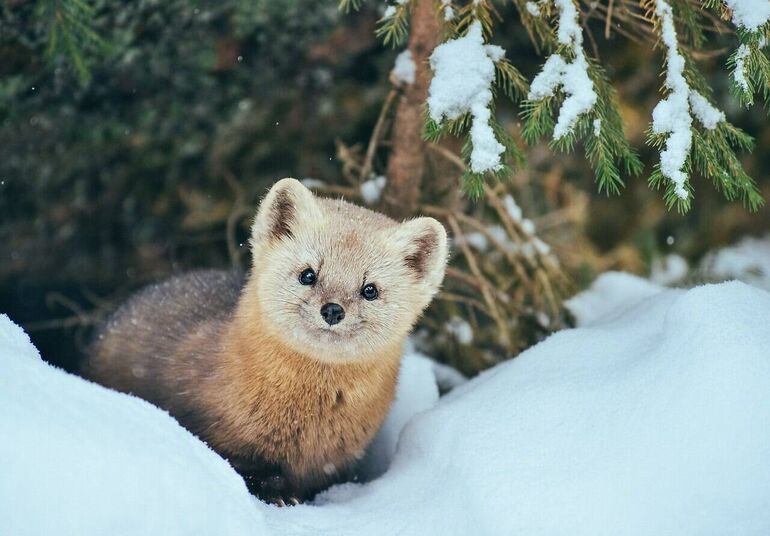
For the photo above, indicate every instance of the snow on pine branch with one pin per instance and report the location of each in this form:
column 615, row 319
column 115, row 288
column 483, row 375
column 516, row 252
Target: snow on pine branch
column 739, row 74
column 463, row 72
column 394, row 23
column 404, row 69
column 672, row 115
column 750, row 15
column 571, row 76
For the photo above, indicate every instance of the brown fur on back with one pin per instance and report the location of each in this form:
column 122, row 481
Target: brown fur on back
column 164, row 344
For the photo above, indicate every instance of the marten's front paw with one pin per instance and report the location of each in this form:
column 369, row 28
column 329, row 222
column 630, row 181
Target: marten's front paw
column 274, row 490
column 282, row 501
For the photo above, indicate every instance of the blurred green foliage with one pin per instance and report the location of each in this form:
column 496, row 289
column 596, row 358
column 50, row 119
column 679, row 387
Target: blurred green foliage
column 134, row 154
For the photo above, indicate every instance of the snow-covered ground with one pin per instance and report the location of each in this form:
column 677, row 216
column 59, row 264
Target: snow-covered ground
column 651, row 417
column 79, row 459
column 748, row 260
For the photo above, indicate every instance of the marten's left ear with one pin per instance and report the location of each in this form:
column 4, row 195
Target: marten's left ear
column 285, row 205
column 423, row 245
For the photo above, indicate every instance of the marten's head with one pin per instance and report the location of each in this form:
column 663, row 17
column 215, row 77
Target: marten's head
column 337, row 281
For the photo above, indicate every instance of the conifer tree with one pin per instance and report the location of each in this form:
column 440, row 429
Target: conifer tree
column 572, row 100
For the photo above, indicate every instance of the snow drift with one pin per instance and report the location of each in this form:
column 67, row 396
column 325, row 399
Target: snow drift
column 79, row 459
column 650, row 418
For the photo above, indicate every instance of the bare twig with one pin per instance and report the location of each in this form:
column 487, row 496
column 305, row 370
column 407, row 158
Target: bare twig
column 608, row 19
column 376, row 137
column 238, row 211
column 63, row 323
column 587, row 30
column 351, row 161
column 485, row 286
column 465, row 300
column 480, row 227
column 449, row 155
column 348, row 192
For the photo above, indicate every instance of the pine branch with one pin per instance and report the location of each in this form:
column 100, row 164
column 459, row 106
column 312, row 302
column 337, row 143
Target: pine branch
column 708, row 142
column 538, row 118
column 350, row 5
column 393, row 27
column 574, row 102
column 606, row 145
column 540, row 32
column 71, row 34
column 473, row 183
column 714, row 156
column 481, row 10
column 433, row 132
column 750, row 69
column 691, row 21
column 598, row 126
column 510, row 80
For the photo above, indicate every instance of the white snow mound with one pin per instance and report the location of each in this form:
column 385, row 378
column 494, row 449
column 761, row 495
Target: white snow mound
column 747, row 261
column 612, row 293
column 79, row 459
column 651, row 419
column 652, row 422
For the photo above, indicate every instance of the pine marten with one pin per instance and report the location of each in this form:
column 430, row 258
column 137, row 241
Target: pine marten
column 289, row 371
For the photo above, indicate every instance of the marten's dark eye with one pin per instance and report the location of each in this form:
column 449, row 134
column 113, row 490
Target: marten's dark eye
column 369, row 292
column 307, row 277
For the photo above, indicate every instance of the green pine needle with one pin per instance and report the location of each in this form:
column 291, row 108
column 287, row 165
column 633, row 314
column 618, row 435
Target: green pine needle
column 393, row 30
column 510, row 80
column 755, row 67
column 350, row 5
column 71, row 34
column 538, row 119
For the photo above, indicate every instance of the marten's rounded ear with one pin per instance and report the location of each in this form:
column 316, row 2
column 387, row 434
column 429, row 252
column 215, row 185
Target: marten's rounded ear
column 287, row 202
column 424, row 247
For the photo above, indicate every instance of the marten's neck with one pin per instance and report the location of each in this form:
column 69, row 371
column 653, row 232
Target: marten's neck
column 254, row 359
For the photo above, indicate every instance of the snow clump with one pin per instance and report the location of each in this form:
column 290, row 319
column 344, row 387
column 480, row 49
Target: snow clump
column 571, row 77
column 669, row 270
column 648, row 421
column 747, row 261
column 672, row 115
column 313, row 183
column 449, row 11
column 371, row 190
column 533, row 8
column 460, row 329
column 79, row 459
column 750, row 15
column 463, row 71
column 404, row 68
column 739, row 74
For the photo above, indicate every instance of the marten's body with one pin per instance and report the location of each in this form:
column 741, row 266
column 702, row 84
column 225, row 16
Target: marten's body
column 292, row 398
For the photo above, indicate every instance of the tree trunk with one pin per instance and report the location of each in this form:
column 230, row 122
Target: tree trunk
column 406, row 165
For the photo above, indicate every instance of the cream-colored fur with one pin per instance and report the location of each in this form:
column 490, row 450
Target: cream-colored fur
column 262, row 377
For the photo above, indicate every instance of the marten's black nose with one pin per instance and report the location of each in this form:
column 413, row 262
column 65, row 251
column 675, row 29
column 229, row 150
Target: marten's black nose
column 333, row 313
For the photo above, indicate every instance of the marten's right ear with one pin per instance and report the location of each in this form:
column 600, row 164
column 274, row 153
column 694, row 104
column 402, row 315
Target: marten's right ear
column 287, row 202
